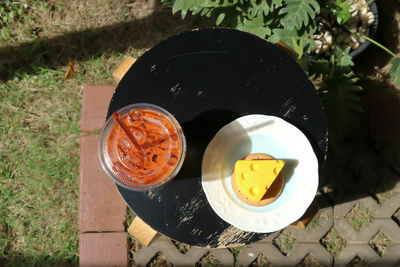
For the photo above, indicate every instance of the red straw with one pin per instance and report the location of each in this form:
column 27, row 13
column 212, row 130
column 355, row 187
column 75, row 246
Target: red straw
column 117, row 117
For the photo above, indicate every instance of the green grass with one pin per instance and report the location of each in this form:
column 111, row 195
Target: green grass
column 39, row 166
column 358, row 217
column 181, row 247
column 40, row 112
column 39, row 176
column 208, row 260
column 159, row 260
column 309, row 261
column 261, row 261
column 285, row 241
column 333, row 242
column 380, row 243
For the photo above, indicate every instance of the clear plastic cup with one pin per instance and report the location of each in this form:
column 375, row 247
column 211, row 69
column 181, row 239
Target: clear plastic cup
column 157, row 159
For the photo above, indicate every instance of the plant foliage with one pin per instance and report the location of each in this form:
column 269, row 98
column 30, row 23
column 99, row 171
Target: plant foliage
column 338, row 91
column 10, row 10
column 296, row 23
column 298, row 13
column 395, row 70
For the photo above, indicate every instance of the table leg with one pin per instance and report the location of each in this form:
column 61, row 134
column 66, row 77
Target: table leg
column 123, row 68
column 307, row 217
column 141, row 231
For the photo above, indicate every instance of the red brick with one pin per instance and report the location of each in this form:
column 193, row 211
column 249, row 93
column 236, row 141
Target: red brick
column 385, row 116
column 95, row 101
column 101, row 207
column 103, row 249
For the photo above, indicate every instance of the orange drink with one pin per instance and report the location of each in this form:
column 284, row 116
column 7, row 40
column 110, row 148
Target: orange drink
column 141, row 147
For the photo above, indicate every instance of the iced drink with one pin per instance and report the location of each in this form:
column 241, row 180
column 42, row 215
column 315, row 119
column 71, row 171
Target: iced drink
column 142, row 146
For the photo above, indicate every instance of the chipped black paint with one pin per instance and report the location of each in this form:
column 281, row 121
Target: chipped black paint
column 207, row 78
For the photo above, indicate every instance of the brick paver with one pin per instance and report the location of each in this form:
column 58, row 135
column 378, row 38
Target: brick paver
column 95, row 101
column 101, row 208
column 103, row 249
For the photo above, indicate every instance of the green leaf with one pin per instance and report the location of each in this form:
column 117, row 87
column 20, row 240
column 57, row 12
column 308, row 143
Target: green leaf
column 181, row 5
column 319, row 68
column 292, row 39
column 198, row 5
column 205, row 11
column 342, row 11
column 298, row 12
column 395, row 70
column 220, row 18
column 340, row 101
column 342, row 60
column 255, row 26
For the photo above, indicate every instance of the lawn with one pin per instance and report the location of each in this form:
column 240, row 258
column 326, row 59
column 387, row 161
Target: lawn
column 40, row 111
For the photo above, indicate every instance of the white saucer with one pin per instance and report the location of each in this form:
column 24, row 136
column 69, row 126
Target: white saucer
column 260, row 134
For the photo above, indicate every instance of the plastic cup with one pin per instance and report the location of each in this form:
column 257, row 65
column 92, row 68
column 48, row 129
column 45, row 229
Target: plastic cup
column 161, row 139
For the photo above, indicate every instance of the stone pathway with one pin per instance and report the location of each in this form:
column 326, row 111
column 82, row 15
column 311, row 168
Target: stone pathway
column 318, row 241
column 357, row 225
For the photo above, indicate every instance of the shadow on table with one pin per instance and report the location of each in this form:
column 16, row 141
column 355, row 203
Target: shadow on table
column 199, row 133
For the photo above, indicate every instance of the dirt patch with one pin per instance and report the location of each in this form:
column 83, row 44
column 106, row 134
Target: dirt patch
column 159, row 260
column 309, row 261
column 261, row 261
column 374, row 62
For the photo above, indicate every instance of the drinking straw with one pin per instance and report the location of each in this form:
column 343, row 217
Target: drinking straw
column 117, row 117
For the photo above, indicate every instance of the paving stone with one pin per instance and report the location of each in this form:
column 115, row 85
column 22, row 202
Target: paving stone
column 103, row 249
column 377, row 210
column 390, row 258
column 396, row 217
column 95, row 101
column 297, row 254
column 388, row 226
column 324, row 203
column 384, row 119
column 381, row 211
column 269, row 238
column 101, row 208
column 314, row 234
column 346, row 203
column 364, row 251
column 164, row 244
column 390, row 154
column 388, row 176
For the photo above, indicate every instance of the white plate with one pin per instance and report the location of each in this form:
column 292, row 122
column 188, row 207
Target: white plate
column 260, row 134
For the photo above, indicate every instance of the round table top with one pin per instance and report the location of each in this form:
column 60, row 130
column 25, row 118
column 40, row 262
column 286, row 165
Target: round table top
column 206, row 79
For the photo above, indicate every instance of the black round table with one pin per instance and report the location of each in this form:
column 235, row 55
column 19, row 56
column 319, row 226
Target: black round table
column 206, row 79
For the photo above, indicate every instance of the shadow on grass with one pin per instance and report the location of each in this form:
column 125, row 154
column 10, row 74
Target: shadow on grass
column 23, row 260
column 86, row 44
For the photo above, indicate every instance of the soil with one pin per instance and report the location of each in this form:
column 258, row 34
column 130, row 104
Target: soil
column 373, row 64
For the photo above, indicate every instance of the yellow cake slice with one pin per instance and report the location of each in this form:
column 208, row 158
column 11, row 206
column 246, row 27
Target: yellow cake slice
column 254, row 177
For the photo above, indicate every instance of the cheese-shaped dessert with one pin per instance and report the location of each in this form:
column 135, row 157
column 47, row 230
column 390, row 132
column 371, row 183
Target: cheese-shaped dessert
column 254, row 177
